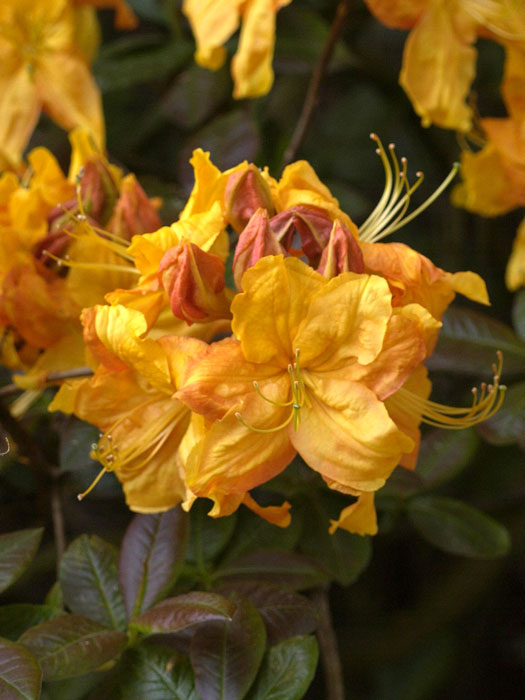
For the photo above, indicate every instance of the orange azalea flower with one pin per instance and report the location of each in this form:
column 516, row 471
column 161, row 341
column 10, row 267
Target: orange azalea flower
column 213, row 23
column 293, row 374
column 439, row 59
column 42, row 68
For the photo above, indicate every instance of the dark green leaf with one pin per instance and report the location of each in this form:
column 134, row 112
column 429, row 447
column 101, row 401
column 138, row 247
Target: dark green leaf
column 55, row 597
column 16, row 551
column 226, row 655
column 458, row 528
column 88, row 578
column 174, row 614
column 284, row 568
column 444, row 454
column 71, row 645
column 15, row 619
column 285, row 613
column 518, row 313
column 287, row 670
column 208, row 536
column 151, row 555
column 342, row 555
column 507, row 426
column 20, row 675
column 468, row 343
column 153, row 672
column 195, row 95
column 75, row 445
column 252, row 532
column 135, row 59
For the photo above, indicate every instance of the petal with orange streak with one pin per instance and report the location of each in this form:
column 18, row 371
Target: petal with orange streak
column 267, row 315
column 347, row 435
column 346, row 318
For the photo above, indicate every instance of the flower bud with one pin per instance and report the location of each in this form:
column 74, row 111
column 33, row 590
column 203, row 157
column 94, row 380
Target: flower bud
column 342, row 254
column 255, row 241
column 194, row 282
column 134, row 213
column 246, row 191
column 312, row 225
column 98, row 190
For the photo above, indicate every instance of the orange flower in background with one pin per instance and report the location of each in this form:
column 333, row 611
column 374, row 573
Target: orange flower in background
column 213, row 23
column 42, row 68
column 439, row 59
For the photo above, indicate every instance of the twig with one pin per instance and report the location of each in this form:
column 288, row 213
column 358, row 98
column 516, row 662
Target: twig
column 330, row 659
column 312, row 93
column 46, row 474
column 51, row 378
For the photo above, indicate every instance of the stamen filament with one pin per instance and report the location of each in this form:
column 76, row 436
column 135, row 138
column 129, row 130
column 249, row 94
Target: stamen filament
column 81, row 496
column 90, row 265
column 265, row 430
column 389, row 214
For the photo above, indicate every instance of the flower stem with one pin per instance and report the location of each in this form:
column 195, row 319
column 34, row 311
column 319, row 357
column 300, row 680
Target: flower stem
column 328, row 649
column 51, row 378
column 312, row 93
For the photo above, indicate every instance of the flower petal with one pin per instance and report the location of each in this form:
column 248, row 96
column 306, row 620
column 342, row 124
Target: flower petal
column 360, row 517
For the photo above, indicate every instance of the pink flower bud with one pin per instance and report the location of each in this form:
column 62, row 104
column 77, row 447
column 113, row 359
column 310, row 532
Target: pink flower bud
column 256, row 241
column 312, row 225
column 246, row 191
column 134, row 212
column 342, row 254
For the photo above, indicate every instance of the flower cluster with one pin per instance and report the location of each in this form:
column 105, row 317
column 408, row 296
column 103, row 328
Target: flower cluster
column 212, row 371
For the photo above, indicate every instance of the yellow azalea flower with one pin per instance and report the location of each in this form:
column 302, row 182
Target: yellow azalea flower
column 42, row 68
column 439, row 57
column 296, row 373
column 213, row 23
column 515, row 273
column 130, row 399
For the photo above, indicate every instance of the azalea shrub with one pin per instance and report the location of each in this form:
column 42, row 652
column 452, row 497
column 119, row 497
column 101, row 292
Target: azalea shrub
column 262, row 318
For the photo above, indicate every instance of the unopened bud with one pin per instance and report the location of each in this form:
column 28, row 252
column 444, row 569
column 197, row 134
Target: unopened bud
column 134, row 212
column 194, row 282
column 98, row 190
column 256, row 241
column 342, row 254
column 312, row 227
column 246, row 191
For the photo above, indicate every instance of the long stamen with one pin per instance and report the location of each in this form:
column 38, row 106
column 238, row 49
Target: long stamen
column 107, row 460
column 389, row 214
column 113, row 242
column 299, row 398
column 66, row 262
column 484, row 405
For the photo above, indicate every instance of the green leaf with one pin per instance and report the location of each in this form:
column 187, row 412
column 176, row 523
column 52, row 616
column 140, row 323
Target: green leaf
column 175, row 614
column 88, row 578
column 151, row 555
column 153, row 672
column 16, row 551
column 468, row 343
column 195, row 95
column 226, row 655
column 444, row 454
column 507, row 426
column 458, row 528
column 75, row 445
column 71, row 645
column 55, row 597
column 136, row 59
column 253, row 533
column 518, row 313
column 15, row 619
column 287, row 670
column 342, row 555
column 285, row 613
column 208, row 536
column 284, row 568
column 20, row 675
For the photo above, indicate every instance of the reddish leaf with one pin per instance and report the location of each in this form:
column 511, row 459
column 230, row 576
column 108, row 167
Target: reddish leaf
column 175, row 614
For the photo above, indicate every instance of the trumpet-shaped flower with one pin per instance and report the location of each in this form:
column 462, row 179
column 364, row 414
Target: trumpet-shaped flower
column 42, row 68
column 214, row 22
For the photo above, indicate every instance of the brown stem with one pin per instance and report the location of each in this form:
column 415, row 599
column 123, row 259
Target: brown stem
column 46, row 474
column 51, row 378
column 312, row 94
column 328, row 649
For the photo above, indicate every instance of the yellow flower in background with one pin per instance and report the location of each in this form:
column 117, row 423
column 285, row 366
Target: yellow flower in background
column 42, row 68
column 213, row 23
column 439, row 59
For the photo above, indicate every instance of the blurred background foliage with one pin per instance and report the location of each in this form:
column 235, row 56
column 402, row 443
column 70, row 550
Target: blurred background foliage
column 418, row 623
